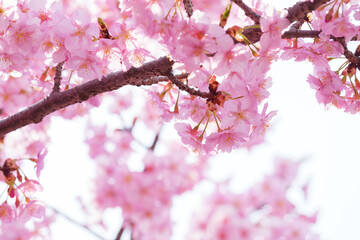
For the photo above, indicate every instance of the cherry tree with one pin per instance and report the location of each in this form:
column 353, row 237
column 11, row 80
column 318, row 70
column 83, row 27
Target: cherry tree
column 198, row 66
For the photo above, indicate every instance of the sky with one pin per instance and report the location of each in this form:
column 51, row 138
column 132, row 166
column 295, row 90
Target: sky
column 302, row 129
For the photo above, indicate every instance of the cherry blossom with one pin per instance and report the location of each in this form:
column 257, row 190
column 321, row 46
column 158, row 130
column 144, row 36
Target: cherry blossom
column 204, row 69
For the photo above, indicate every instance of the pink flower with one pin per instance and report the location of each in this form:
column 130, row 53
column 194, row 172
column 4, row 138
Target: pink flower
column 326, row 83
column 10, row 61
column 31, row 209
column 13, row 94
column 123, row 34
column 7, row 214
column 280, row 205
column 193, row 108
column 229, row 58
column 189, row 136
column 80, row 31
column 327, row 48
column 285, row 169
column 259, row 128
column 87, row 65
column 272, row 27
column 225, row 140
column 339, row 27
column 241, row 111
column 28, row 188
column 24, row 36
column 192, row 52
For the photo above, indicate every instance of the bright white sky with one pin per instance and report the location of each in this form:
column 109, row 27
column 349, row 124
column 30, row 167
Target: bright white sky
column 328, row 139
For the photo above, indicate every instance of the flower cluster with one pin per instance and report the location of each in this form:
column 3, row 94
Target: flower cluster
column 263, row 212
column 21, row 190
column 227, row 62
column 144, row 193
column 334, row 79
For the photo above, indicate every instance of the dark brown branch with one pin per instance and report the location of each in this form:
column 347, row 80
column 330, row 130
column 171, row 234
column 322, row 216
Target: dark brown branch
column 156, row 139
column 294, row 33
column 248, row 11
column 295, row 13
column 315, row 34
column 301, row 9
column 188, row 7
column 57, row 78
column 347, row 53
column 301, row 34
column 76, row 222
column 58, row 100
column 184, row 87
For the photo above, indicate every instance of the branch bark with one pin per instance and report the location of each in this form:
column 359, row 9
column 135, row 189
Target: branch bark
column 348, row 54
column 57, row 78
column 188, row 7
column 295, row 33
column 184, row 87
column 300, row 9
column 248, row 11
column 148, row 74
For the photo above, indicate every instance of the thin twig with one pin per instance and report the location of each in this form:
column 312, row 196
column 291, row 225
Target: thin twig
column 184, row 87
column 156, row 139
column 76, row 222
column 165, row 78
column 57, row 78
column 248, row 11
column 120, row 233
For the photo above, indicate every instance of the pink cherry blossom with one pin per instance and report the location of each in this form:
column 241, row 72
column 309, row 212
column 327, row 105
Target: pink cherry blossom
column 339, row 27
column 272, row 27
column 31, row 209
column 189, row 136
column 7, row 214
column 225, row 140
column 144, row 177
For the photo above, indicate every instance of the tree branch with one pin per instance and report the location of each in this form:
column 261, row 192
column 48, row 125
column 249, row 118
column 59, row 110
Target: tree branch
column 148, row 74
column 58, row 100
column 248, row 11
column 348, row 54
column 295, row 33
column 156, row 139
column 295, row 13
column 57, row 78
column 301, row 9
column 120, row 233
column 315, row 34
column 76, row 222
column 184, row 87
column 188, row 7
